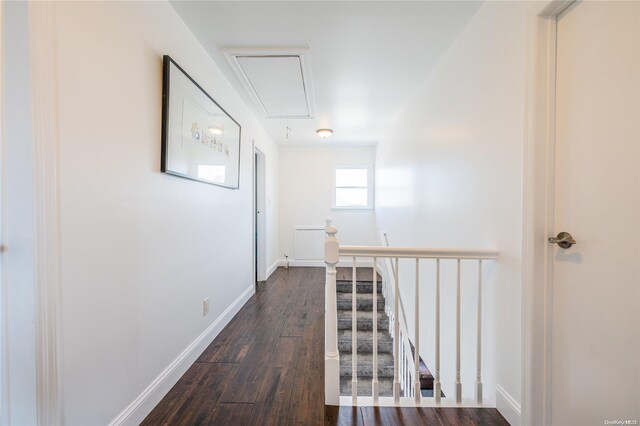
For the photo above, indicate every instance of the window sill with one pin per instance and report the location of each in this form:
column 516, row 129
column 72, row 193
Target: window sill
column 352, row 208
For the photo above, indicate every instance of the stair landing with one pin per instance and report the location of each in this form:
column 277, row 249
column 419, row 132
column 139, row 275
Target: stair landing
column 267, row 367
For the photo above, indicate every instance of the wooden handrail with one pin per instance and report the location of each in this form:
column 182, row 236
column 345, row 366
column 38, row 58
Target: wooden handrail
column 417, row 253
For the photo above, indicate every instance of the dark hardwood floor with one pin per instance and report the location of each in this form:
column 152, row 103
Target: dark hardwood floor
column 267, row 368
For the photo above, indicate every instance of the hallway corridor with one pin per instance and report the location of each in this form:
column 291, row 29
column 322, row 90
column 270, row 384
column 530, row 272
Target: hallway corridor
column 267, row 367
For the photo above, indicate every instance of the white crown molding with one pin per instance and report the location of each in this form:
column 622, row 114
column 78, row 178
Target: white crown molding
column 44, row 108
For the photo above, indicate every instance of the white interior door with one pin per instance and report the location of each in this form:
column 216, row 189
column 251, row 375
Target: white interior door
column 595, row 361
column 260, row 216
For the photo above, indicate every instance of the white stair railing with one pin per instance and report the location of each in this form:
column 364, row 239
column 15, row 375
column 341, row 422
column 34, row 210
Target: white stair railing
column 406, row 380
column 404, row 367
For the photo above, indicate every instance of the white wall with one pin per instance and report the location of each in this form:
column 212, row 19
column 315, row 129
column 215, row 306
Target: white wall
column 449, row 174
column 140, row 250
column 306, row 193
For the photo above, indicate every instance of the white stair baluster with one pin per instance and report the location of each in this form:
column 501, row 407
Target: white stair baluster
column 396, row 335
column 458, row 384
column 401, row 361
column 404, row 368
column 407, row 383
column 416, row 358
column 354, row 336
column 436, row 383
column 412, row 388
column 479, row 337
column 374, row 381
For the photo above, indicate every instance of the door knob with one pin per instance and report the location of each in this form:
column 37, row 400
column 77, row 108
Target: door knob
column 564, row 240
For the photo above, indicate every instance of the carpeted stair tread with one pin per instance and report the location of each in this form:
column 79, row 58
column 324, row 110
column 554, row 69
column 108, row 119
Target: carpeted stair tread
column 364, row 301
column 385, row 387
column 361, row 287
column 365, row 342
column 362, row 274
column 365, row 365
column 365, row 320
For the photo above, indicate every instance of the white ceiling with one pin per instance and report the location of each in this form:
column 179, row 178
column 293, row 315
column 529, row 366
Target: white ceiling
column 367, row 59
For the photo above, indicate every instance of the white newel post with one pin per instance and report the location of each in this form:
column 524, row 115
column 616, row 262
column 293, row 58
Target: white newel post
column 331, row 354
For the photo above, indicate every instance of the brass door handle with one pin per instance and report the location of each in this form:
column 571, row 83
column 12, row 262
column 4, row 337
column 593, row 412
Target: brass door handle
column 564, row 240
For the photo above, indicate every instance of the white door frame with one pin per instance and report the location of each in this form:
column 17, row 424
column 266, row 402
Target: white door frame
column 44, row 132
column 4, row 400
column 44, row 138
column 539, row 153
column 44, row 98
column 259, row 205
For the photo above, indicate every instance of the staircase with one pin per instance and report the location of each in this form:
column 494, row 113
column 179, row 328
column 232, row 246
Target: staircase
column 364, row 306
column 413, row 378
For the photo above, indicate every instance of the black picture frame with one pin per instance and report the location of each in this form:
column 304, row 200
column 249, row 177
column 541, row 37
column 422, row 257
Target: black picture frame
column 169, row 135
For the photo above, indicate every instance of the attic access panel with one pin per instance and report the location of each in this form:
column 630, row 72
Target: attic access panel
column 278, row 81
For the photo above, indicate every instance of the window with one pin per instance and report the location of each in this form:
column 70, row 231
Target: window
column 353, row 188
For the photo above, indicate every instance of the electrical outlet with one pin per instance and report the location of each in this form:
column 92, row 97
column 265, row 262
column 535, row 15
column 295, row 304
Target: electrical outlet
column 205, row 307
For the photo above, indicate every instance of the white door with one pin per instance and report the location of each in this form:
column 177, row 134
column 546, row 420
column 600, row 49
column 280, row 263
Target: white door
column 260, row 202
column 596, row 283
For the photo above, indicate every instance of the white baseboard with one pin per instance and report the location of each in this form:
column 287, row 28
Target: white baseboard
column 135, row 413
column 273, row 268
column 507, row 406
column 320, row 263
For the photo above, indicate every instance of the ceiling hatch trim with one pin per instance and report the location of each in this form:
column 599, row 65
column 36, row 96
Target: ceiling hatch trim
column 277, row 79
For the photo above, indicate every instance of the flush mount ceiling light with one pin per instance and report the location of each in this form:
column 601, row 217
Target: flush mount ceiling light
column 324, row 133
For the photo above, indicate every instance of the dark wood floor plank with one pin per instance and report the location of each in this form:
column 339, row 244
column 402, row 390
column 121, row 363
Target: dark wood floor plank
column 192, row 400
column 253, row 370
column 232, row 347
column 231, row 415
column 273, row 407
column 287, row 351
column 309, row 306
column 245, row 386
column 343, row 416
column 307, row 405
column 399, row 416
column 377, row 416
column 471, row 416
column 295, row 323
column 273, row 402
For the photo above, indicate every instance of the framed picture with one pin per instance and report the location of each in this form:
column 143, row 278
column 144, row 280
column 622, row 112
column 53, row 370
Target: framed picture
column 200, row 141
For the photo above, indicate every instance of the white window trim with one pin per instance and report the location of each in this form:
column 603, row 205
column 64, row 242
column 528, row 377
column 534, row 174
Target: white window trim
column 370, row 186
